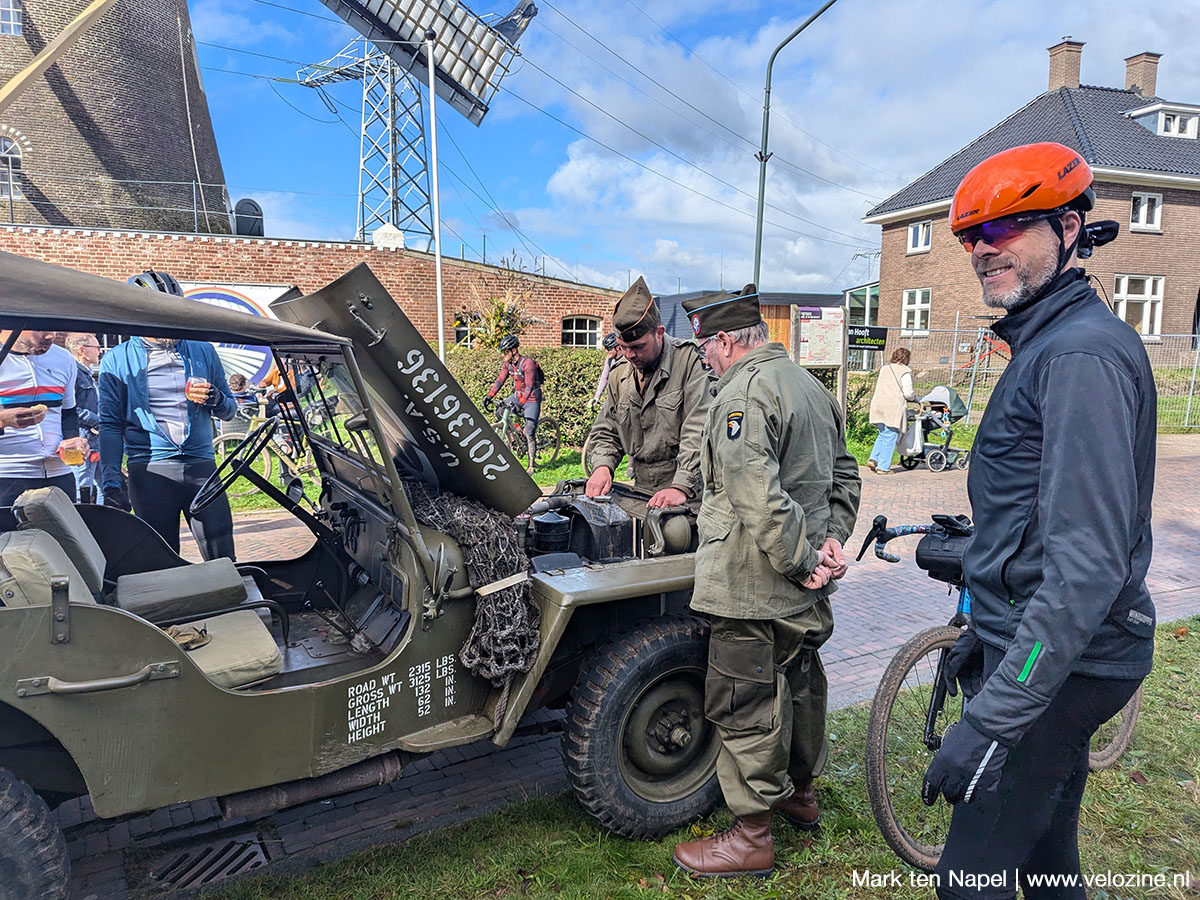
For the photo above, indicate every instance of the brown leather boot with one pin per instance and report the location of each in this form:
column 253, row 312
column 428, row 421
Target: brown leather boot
column 745, row 849
column 800, row 809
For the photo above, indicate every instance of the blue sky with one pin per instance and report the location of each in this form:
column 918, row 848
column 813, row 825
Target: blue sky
column 669, row 96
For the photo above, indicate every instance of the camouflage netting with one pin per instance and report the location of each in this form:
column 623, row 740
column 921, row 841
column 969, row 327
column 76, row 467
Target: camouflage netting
column 505, row 639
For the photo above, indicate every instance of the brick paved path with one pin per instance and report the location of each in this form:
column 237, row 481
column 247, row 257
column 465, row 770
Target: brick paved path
column 879, row 606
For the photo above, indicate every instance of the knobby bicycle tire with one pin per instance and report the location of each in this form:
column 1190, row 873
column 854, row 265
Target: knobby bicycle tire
column 549, row 441
column 1112, row 743
column 897, row 755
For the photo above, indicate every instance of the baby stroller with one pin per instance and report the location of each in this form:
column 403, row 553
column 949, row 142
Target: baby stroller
column 940, row 409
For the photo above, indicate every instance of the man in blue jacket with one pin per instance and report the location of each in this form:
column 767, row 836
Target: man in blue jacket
column 1061, row 480
column 157, row 400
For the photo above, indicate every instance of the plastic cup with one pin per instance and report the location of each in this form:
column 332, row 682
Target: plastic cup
column 192, row 384
column 72, row 456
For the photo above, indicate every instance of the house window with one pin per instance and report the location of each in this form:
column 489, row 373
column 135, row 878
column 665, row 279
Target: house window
column 462, row 330
column 919, row 235
column 1146, row 212
column 914, row 312
column 10, row 169
column 10, row 17
column 1173, row 124
column 581, row 331
column 1138, row 300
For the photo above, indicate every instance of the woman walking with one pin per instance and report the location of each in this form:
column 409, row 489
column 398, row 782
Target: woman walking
column 889, row 408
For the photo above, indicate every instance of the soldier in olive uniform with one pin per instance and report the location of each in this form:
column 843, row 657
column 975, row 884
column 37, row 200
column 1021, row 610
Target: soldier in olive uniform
column 780, row 497
column 653, row 408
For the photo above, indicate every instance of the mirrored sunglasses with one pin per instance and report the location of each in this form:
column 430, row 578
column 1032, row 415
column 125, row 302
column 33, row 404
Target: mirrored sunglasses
column 999, row 231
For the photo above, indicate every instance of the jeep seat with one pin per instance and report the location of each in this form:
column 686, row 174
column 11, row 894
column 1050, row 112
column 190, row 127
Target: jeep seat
column 165, row 594
column 241, row 651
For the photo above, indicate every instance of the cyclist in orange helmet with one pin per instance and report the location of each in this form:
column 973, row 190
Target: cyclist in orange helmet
column 1061, row 480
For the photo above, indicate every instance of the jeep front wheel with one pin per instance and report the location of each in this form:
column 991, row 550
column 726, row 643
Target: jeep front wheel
column 638, row 751
column 33, row 851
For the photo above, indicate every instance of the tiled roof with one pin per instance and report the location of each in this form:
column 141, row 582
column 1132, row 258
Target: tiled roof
column 1091, row 120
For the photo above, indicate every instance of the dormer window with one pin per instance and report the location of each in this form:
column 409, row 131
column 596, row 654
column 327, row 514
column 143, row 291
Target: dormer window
column 1176, row 120
column 1176, row 124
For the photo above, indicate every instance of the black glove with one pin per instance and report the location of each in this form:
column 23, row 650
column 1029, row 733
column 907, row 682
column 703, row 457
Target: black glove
column 488, row 403
column 964, row 665
column 966, row 765
column 115, row 497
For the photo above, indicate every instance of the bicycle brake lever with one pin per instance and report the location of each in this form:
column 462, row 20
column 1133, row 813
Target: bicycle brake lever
column 878, row 527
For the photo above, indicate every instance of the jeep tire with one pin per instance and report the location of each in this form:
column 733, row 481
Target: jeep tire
column 33, row 851
column 638, row 751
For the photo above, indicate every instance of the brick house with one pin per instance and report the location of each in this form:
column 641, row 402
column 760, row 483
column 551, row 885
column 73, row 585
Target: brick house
column 1145, row 153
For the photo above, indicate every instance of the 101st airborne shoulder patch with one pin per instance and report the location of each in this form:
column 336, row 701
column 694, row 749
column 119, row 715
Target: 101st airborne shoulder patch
column 733, row 426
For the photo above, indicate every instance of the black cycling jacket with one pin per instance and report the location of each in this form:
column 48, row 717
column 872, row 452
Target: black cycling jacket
column 1061, row 479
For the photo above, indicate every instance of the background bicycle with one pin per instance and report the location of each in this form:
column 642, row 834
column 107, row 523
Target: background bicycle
column 510, row 425
column 913, row 709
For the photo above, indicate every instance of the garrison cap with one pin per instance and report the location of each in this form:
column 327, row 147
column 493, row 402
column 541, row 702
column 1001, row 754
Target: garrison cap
column 636, row 312
column 721, row 312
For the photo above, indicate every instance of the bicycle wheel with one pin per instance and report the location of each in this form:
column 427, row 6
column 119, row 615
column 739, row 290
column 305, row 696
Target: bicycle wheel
column 549, row 442
column 903, row 733
column 226, row 444
column 1114, row 735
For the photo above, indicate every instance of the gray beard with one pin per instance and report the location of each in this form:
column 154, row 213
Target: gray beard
column 1030, row 282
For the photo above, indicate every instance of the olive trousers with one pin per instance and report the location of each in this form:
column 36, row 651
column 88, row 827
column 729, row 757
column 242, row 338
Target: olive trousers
column 765, row 692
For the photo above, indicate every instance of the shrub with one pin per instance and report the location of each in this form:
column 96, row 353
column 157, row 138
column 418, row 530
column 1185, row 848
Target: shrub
column 859, row 390
column 570, row 375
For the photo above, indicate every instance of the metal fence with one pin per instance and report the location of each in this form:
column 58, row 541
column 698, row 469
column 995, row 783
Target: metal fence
column 970, row 360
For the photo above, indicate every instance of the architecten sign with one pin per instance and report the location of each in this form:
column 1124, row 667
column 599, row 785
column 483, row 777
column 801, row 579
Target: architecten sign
column 866, row 337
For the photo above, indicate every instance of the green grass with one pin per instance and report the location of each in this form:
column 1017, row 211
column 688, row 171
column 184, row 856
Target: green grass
column 1141, row 816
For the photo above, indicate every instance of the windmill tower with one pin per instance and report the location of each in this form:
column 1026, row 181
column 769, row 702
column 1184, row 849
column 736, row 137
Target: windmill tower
column 116, row 133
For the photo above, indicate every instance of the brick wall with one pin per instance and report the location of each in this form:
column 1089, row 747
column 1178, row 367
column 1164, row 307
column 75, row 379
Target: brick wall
column 408, row 275
column 112, row 110
column 946, row 268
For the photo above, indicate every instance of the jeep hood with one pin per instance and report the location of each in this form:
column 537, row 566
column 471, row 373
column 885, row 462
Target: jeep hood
column 443, row 438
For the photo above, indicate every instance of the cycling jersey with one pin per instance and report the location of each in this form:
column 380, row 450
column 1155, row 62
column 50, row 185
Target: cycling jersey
column 526, row 374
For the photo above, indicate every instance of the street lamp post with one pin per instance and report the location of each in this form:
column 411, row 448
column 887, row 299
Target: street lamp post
column 430, row 36
column 763, row 155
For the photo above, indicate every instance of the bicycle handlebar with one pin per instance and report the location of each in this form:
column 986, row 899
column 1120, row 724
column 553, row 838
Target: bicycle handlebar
column 880, row 533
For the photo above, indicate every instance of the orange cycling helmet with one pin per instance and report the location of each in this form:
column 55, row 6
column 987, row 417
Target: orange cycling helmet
column 1034, row 177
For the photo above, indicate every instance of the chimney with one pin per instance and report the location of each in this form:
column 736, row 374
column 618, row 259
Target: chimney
column 1064, row 63
column 1141, row 73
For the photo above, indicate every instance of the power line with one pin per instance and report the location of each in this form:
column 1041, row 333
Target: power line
column 605, row 112
column 673, row 181
column 685, row 161
column 612, row 150
column 713, row 68
column 526, row 241
column 300, row 12
column 294, row 62
column 663, row 87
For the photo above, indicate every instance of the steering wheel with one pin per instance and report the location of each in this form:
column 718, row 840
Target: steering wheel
column 233, row 466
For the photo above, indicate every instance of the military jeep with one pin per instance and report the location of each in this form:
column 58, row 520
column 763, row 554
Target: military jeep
column 443, row 599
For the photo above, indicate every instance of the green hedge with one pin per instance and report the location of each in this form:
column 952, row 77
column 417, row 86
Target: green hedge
column 570, row 383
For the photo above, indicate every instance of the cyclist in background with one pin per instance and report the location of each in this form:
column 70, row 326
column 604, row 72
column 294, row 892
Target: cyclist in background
column 1060, row 485
column 527, row 380
column 612, row 359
